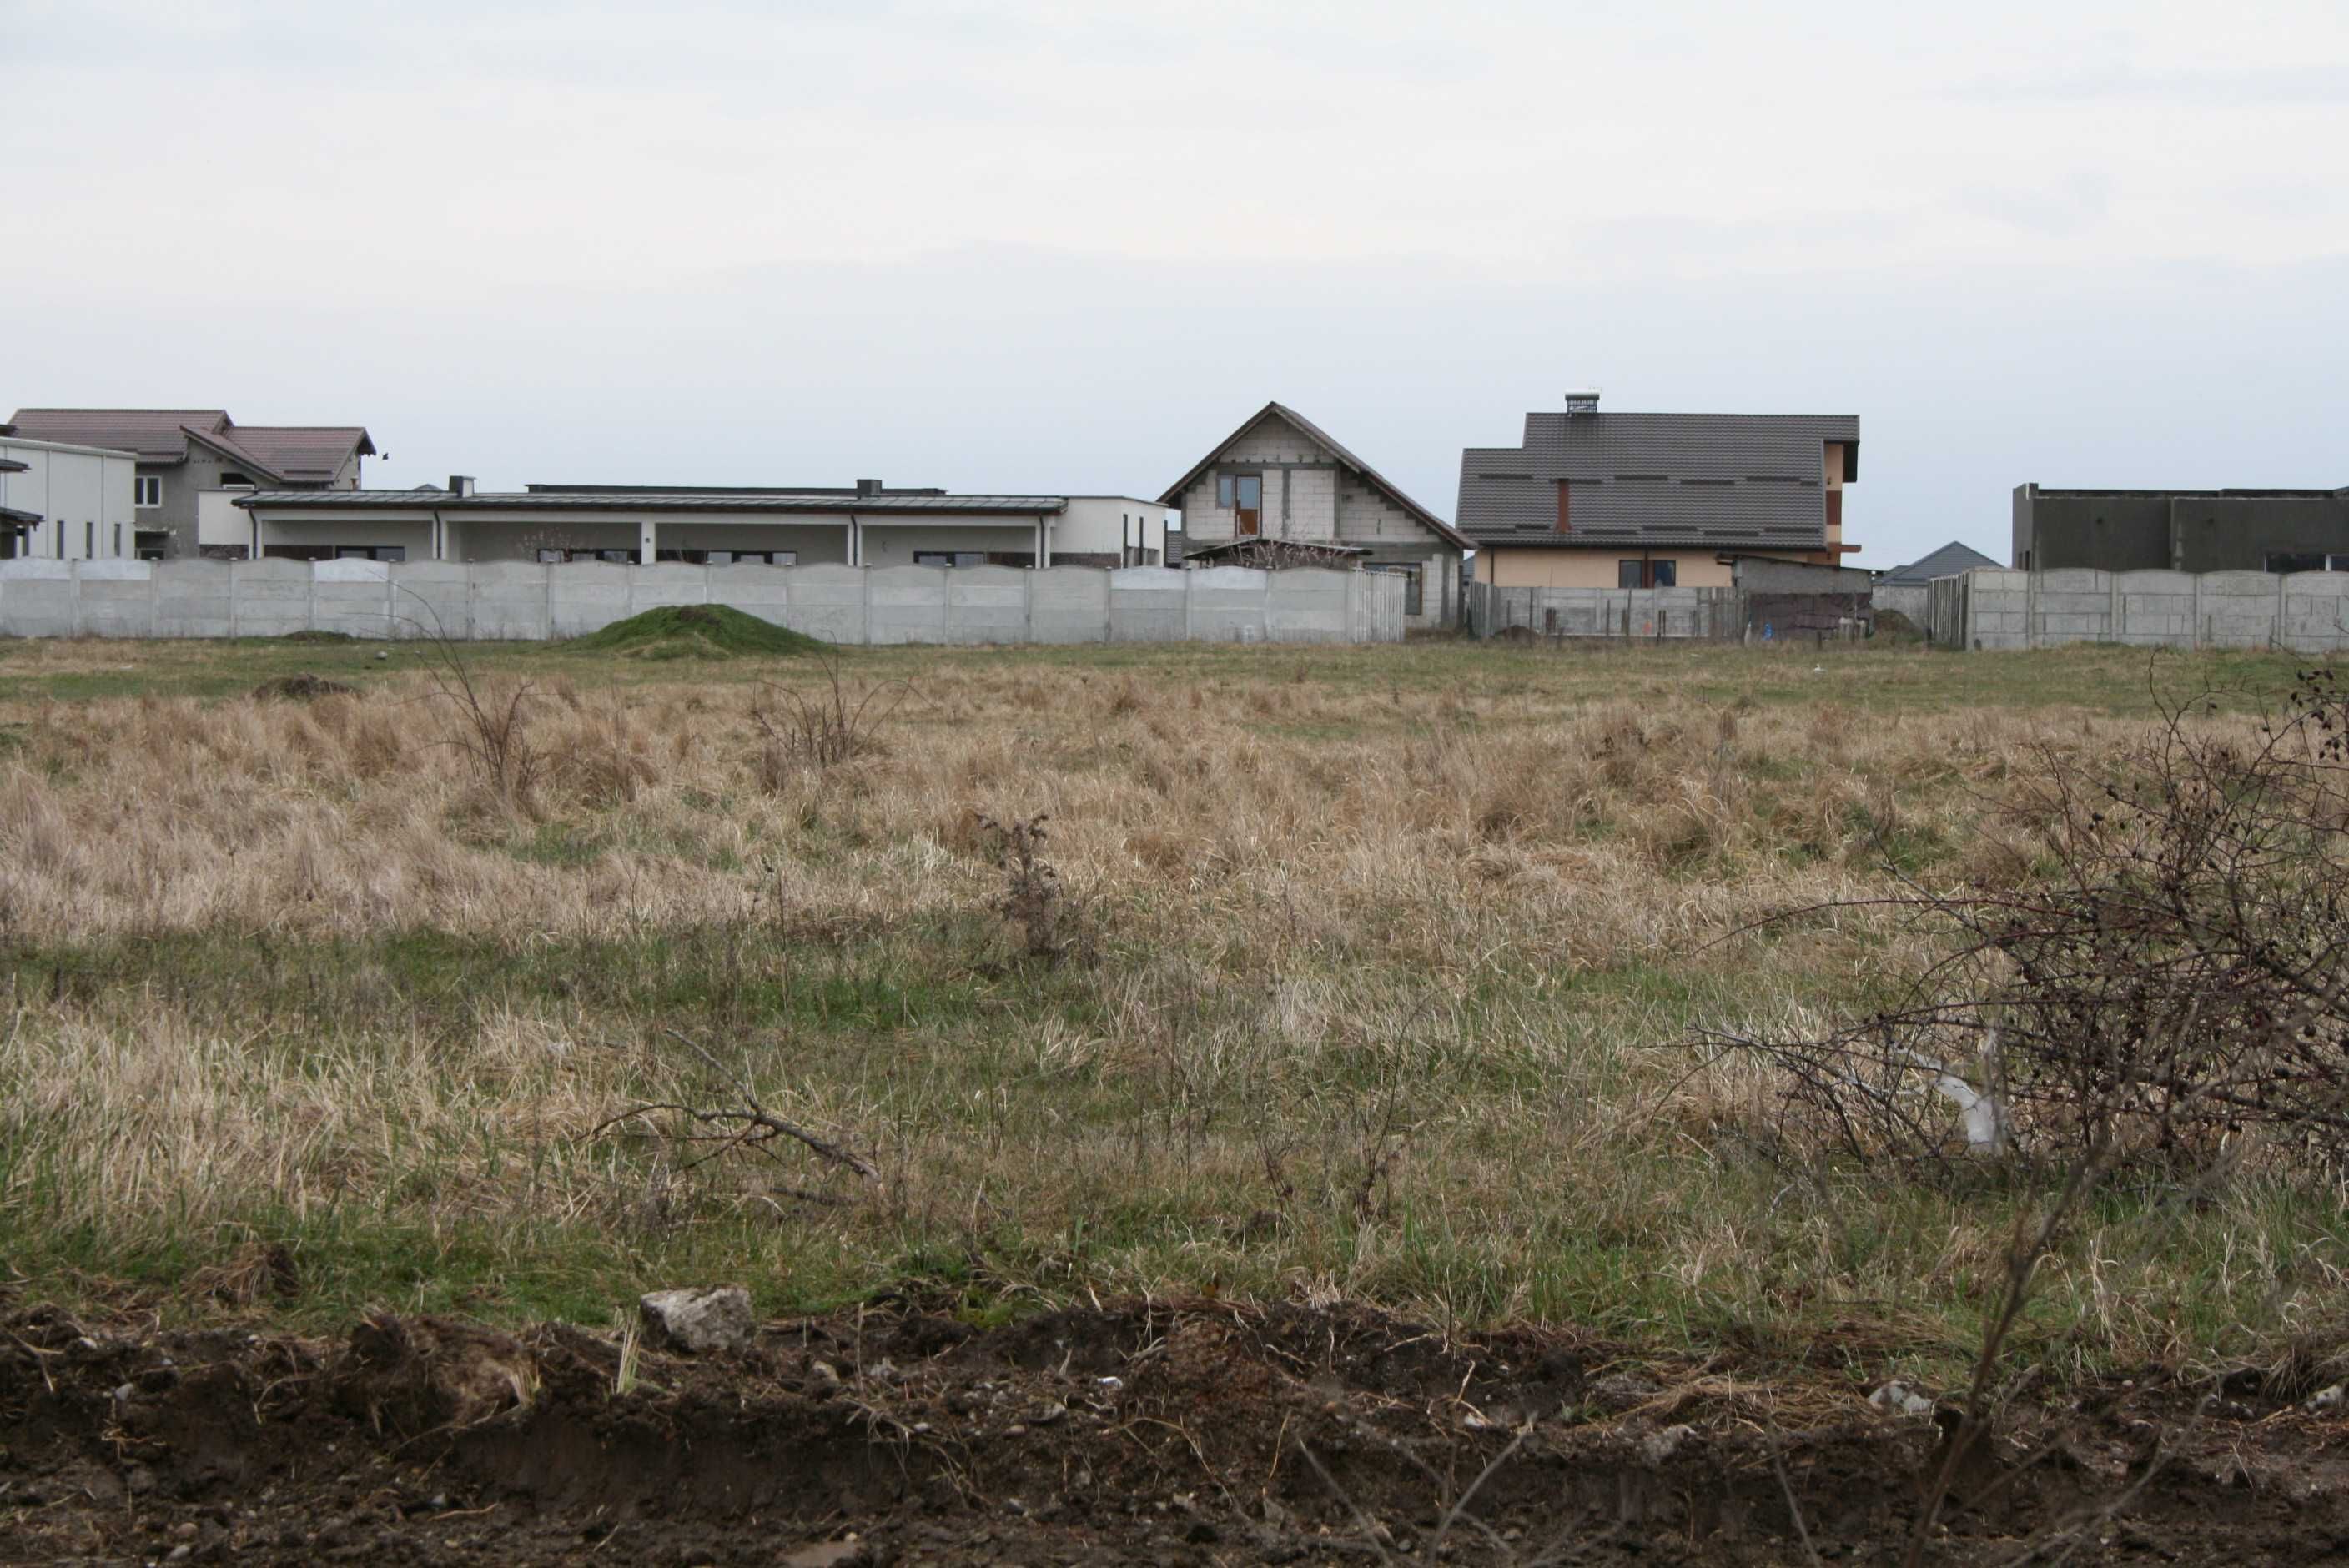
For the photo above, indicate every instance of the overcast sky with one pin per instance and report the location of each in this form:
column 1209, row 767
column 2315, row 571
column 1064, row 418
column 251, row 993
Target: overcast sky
column 1021, row 245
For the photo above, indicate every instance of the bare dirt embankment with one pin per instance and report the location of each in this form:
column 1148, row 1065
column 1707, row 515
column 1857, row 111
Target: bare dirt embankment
column 1201, row 1433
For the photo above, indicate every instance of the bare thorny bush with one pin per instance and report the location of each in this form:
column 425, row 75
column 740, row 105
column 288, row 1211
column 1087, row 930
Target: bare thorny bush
column 1032, row 898
column 801, row 731
column 2164, row 988
column 2167, row 982
column 494, row 724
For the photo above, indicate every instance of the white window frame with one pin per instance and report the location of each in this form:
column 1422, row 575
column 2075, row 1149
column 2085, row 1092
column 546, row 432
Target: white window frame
column 143, row 486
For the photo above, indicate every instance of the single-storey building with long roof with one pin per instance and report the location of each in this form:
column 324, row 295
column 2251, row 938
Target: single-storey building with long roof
column 869, row 525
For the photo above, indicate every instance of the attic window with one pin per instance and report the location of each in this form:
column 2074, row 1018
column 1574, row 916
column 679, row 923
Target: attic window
column 233, row 478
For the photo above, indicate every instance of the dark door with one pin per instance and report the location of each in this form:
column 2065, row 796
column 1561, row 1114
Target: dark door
column 1244, row 495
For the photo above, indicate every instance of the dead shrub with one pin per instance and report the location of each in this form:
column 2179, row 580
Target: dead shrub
column 2170, row 984
column 1032, row 898
column 302, row 687
column 800, row 731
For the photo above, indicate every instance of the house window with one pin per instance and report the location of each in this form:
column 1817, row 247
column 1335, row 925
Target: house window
column 371, row 552
column 950, row 558
column 118, row 542
column 2337, row 563
column 146, row 490
column 1410, row 576
column 2294, row 560
column 89, row 539
column 1242, row 495
column 233, row 478
column 1647, row 573
column 151, row 543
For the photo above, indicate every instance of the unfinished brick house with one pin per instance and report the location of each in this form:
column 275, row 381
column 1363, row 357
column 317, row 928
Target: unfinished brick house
column 1281, row 479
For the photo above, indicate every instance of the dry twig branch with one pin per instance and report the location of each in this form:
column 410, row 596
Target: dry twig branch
column 747, row 1126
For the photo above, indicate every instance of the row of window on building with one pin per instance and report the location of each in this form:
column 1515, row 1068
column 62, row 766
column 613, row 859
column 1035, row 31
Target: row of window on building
column 20, row 543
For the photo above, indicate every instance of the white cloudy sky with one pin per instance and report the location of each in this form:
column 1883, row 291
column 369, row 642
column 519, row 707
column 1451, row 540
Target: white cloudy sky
column 1025, row 245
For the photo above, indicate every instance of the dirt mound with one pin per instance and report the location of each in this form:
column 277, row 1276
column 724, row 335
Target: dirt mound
column 300, row 687
column 1199, row 1433
column 696, row 632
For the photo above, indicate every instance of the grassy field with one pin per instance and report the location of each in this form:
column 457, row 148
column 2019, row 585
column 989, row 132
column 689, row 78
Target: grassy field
column 1382, row 969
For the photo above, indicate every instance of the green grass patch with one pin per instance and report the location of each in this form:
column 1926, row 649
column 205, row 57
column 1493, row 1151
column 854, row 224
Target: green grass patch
column 696, row 632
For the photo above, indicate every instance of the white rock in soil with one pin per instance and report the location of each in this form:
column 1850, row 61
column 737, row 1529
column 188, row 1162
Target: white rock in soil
column 1899, row 1399
column 1661, row 1446
column 699, row 1321
column 2331, row 1399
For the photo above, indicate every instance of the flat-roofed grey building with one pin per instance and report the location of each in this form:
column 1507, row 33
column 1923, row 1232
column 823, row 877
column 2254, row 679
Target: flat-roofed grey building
column 2181, row 530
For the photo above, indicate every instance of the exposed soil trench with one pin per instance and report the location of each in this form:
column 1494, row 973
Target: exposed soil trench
column 1205, row 1433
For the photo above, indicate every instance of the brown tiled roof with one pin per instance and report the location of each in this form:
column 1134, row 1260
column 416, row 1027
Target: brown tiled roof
column 305, row 451
column 291, row 453
column 157, row 435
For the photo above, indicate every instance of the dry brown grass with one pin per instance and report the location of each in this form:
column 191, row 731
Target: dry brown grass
column 1390, row 997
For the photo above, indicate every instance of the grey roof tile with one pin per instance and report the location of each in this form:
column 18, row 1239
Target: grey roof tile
column 1747, row 480
column 1952, row 560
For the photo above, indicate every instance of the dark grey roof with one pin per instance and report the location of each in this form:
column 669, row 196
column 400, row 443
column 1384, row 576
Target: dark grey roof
column 1172, row 495
column 11, row 466
column 14, row 518
column 1731, row 482
column 720, row 490
column 655, row 500
column 1952, row 560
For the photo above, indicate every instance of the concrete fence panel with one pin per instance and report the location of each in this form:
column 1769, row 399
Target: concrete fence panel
column 271, row 597
column 116, row 598
column 986, row 604
column 1998, row 608
column 524, row 601
column 906, row 603
column 826, row 602
column 666, row 586
column 755, row 590
column 193, row 599
column 1309, row 605
column 509, row 601
column 587, row 597
column 434, row 599
column 1069, row 604
column 353, row 597
column 1145, row 603
column 2316, row 612
column 1228, row 604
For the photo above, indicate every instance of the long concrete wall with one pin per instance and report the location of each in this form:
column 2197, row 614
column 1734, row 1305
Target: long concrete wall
column 522, row 601
column 1992, row 608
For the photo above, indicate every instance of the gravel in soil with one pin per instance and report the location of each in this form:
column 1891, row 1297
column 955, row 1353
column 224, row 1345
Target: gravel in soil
column 1207, row 1432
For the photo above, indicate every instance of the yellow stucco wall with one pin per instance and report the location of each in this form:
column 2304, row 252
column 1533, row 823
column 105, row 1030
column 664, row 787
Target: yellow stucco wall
column 1506, row 568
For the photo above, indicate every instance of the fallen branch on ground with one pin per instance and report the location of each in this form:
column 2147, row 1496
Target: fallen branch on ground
column 748, row 1126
